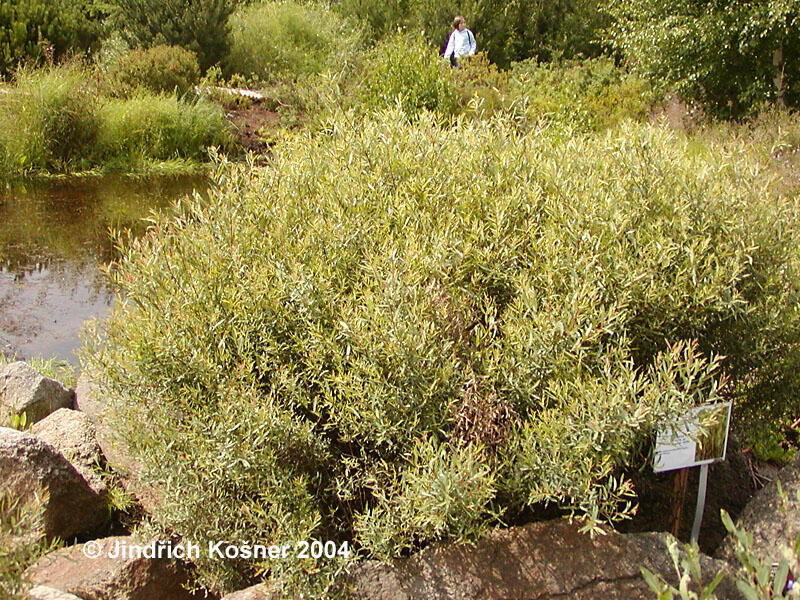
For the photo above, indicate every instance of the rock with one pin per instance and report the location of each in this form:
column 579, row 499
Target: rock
column 256, row 592
column 549, row 559
column 773, row 522
column 25, row 390
column 89, row 400
column 29, row 466
column 73, row 435
column 41, row 592
column 71, row 570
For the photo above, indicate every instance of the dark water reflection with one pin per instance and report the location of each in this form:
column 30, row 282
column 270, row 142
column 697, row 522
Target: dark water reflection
column 53, row 240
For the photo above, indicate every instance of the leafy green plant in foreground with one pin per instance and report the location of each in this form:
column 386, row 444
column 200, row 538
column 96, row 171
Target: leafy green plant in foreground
column 18, row 549
column 397, row 333
column 757, row 578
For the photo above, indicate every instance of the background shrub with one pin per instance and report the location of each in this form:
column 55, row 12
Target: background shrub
column 585, row 96
column 398, row 332
column 508, row 30
column 403, row 70
column 515, row 30
column 284, row 40
column 159, row 69
column 39, row 29
column 484, row 89
column 200, row 26
column 379, row 18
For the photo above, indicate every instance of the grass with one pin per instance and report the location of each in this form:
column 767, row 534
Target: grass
column 53, row 120
column 18, row 548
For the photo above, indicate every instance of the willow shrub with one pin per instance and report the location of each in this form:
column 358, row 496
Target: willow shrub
column 402, row 70
column 162, row 69
column 396, row 333
column 586, row 95
column 285, row 40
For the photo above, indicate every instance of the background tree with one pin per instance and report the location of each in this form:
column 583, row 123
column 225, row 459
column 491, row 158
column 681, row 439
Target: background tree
column 508, row 30
column 197, row 25
column 34, row 29
column 518, row 29
column 731, row 55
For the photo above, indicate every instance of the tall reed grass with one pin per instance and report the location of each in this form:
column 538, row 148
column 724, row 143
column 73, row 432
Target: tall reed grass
column 158, row 127
column 54, row 120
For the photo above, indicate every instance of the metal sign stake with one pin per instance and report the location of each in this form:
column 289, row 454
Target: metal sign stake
column 701, row 502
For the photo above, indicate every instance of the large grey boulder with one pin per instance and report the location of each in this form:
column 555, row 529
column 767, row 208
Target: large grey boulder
column 772, row 518
column 25, row 390
column 88, row 571
column 37, row 473
column 90, row 400
column 72, row 433
column 542, row 560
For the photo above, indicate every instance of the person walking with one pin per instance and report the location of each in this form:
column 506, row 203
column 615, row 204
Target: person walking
column 461, row 41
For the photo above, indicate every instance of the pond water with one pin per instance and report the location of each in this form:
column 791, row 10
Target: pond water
column 54, row 239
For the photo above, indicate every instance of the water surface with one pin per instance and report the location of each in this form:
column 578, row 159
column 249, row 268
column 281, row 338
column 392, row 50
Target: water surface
column 54, row 239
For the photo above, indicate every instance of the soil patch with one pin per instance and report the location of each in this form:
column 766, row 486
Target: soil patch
column 252, row 122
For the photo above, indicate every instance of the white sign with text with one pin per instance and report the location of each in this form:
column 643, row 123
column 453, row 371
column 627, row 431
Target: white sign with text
column 686, row 444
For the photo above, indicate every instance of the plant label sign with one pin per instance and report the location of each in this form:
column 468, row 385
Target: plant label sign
column 698, row 437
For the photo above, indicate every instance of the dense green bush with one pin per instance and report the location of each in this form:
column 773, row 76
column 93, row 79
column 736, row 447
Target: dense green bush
column 38, row 29
column 483, row 87
column 200, row 26
column 159, row 69
column 587, row 95
column 731, row 55
column 284, row 40
column 380, row 18
column 398, row 332
column 514, row 30
column 403, row 70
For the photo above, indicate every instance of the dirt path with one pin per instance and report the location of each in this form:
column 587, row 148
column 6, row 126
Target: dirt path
column 253, row 124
